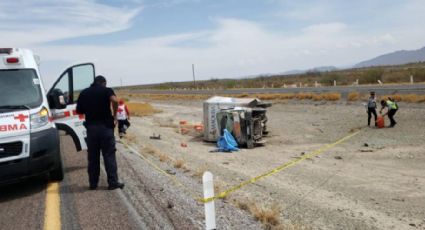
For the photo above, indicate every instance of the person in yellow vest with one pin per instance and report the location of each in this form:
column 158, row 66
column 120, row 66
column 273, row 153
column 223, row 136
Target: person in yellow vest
column 392, row 108
column 123, row 117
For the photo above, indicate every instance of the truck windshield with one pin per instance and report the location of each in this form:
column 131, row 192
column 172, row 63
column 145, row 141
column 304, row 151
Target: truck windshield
column 19, row 88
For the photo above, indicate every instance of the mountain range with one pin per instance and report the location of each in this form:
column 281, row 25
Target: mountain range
column 395, row 58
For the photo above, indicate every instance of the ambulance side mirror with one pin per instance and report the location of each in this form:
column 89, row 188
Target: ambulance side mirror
column 57, row 99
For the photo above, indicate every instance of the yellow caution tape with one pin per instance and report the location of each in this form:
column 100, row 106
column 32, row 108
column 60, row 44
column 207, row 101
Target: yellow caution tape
column 277, row 169
column 250, row 181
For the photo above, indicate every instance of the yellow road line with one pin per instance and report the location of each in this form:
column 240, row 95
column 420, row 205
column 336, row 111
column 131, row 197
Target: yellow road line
column 52, row 215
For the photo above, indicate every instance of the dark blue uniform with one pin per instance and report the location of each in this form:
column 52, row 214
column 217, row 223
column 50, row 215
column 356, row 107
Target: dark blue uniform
column 94, row 103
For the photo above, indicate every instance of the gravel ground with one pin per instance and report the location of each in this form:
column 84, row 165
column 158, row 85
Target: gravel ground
column 351, row 186
column 168, row 199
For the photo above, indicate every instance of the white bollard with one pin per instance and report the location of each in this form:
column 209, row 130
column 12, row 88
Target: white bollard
column 334, row 83
column 411, row 79
column 207, row 180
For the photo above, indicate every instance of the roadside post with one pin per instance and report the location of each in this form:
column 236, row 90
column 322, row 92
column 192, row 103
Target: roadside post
column 208, row 185
column 411, row 79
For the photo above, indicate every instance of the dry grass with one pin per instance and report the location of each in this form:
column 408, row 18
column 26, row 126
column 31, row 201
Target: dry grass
column 131, row 138
column 317, row 97
column 304, row 96
column 269, row 216
column 331, row 96
column 409, row 98
column 163, row 157
column 150, row 150
column 179, row 163
column 219, row 186
column 353, row 96
column 141, row 109
column 197, row 173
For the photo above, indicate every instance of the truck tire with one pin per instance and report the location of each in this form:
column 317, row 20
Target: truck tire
column 57, row 174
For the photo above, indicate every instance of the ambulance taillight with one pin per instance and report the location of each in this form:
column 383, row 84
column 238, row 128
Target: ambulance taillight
column 12, row 60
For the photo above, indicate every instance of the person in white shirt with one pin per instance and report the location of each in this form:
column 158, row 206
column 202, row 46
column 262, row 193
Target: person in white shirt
column 123, row 117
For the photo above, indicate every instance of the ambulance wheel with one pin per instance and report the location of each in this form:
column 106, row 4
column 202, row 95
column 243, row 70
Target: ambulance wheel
column 57, row 174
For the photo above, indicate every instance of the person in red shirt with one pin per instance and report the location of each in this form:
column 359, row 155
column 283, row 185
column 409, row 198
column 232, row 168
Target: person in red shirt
column 123, row 117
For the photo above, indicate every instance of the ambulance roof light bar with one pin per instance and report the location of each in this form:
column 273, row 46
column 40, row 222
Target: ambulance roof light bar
column 6, row 50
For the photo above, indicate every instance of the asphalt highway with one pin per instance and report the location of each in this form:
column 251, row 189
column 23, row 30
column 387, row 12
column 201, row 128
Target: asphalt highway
column 344, row 90
column 24, row 205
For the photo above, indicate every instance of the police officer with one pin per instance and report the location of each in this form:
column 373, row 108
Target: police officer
column 371, row 108
column 95, row 103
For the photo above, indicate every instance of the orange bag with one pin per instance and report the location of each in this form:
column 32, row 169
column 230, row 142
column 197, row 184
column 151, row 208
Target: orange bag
column 380, row 122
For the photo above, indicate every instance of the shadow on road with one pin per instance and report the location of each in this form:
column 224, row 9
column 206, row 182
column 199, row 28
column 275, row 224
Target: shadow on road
column 24, row 188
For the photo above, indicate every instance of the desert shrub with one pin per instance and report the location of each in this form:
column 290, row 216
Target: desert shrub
column 331, row 96
column 141, row 109
column 353, row 96
column 304, row 96
column 372, row 76
column 269, row 216
column 418, row 75
column 230, row 84
column 179, row 163
column 317, row 97
column 396, row 77
column 330, row 77
column 286, row 96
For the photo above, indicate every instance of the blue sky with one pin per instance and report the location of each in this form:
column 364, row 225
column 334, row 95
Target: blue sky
column 148, row 41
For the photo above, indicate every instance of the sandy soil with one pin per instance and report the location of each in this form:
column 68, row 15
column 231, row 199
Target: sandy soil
column 350, row 186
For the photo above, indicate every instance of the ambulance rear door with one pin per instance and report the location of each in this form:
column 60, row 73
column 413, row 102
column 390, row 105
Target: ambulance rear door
column 63, row 101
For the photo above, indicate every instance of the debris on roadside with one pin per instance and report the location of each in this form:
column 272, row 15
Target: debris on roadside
column 171, row 172
column 170, row 204
column 191, row 128
column 184, row 145
column 155, row 137
column 338, row 157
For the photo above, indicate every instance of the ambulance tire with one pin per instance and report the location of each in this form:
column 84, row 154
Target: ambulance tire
column 57, row 173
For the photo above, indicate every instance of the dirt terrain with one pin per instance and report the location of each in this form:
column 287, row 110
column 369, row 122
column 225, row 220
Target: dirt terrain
column 375, row 180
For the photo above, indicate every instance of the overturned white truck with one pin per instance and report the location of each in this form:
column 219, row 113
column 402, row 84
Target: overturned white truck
column 245, row 118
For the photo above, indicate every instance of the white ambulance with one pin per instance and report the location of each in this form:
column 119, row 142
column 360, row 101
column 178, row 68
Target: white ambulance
column 30, row 117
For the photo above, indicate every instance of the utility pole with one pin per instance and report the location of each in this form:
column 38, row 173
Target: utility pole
column 193, row 72
column 121, row 81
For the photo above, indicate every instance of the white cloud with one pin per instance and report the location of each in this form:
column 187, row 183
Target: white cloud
column 233, row 48
column 30, row 22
